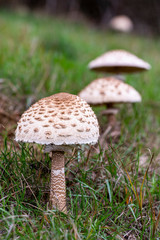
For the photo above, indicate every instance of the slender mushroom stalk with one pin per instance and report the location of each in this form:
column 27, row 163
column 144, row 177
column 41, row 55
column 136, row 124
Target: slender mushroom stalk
column 113, row 125
column 57, row 185
column 57, row 197
column 111, row 114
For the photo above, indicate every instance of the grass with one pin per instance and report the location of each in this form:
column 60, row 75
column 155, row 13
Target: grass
column 110, row 194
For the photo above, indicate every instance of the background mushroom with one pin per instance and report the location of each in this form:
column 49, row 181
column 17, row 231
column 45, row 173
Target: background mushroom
column 109, row 91
column 118, row 61
column 59, row 122
column 121, row 23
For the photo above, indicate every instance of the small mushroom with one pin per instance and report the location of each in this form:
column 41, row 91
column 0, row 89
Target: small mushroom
column 59, row 122
column 121, row 23
column 118, row 61
column 109, row 91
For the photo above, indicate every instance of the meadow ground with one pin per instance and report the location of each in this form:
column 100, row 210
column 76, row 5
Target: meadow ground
column 111, row 194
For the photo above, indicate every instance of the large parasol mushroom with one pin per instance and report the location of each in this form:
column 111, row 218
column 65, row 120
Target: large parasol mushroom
column 59, row 122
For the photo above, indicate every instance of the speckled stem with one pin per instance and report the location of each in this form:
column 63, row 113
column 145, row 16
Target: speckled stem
column 111, row 117
column 58, row 186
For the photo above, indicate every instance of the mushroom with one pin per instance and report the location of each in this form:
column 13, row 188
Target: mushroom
column 109, row 91
column 121, row 23
column 59, row 122
column 118, row 61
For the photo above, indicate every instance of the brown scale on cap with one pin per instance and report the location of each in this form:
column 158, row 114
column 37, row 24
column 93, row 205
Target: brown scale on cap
column 50, row 121
column 73, row 125
column 36, row 129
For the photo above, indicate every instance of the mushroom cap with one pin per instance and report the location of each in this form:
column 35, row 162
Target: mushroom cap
column 121, row 23
column 109, row 90
column 119, row 61
column 61, row 119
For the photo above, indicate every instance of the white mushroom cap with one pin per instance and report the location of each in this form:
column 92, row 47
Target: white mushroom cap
column 118, row 61
column 61, row 119
column 109, row 90
column 121, row 23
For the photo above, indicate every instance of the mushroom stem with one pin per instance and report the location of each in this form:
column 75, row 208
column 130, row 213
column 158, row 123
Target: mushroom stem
column 111, row 116
column 111, row 119
column 120, row 77
column 58, row 186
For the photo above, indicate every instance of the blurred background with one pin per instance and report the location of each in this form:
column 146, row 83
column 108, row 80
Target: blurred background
column 143, row 13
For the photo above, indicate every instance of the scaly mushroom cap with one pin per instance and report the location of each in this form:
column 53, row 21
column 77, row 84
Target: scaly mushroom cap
column 118, row 61
column 61, row 119
column 109, row 90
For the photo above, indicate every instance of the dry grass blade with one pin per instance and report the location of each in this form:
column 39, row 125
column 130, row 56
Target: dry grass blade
column 45, row 217
column 30, row 189
column 139, row 197
column 112, row 232
column 132, row 186
column 76, row 234
column 134, row 191
column 155, row 225
column 141, row 189
column 88, row 155
column 136, row 194
column 103, row 136
column 157, row 221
